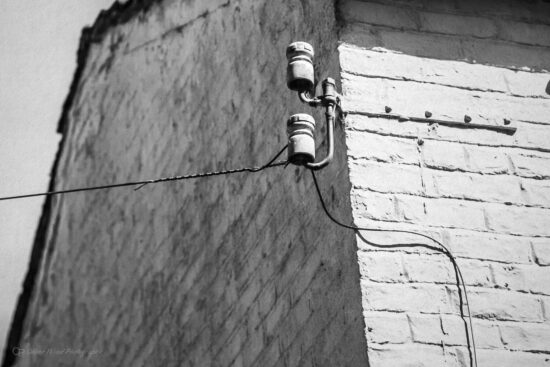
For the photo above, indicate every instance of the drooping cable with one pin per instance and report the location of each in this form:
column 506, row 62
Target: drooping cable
column 271, row 163
column 442, row 249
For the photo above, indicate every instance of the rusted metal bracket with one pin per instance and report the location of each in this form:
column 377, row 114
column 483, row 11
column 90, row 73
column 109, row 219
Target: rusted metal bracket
column 508, row 130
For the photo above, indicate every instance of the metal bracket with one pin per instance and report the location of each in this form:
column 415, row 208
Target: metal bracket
column 328, row 100
column 508, row 130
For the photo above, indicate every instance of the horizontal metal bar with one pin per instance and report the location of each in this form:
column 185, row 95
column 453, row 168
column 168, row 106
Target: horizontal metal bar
column 509, row 130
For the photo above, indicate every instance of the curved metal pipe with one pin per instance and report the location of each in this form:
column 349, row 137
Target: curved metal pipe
column 330, row 136
column 313, row 102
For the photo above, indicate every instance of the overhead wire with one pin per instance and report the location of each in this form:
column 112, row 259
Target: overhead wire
column 271, row 163
column 442, row 249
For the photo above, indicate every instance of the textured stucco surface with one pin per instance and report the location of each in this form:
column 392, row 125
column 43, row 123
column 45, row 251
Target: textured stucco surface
column 484, row 194
column 238, row 270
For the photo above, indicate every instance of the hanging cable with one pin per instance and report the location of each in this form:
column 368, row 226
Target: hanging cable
column 273, row 163
column 269, row 164
column 442, row 249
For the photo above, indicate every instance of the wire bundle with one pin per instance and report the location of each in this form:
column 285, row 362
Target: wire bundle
column 269, row 164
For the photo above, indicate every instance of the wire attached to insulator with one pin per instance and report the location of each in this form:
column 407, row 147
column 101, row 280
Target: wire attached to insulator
column 442, row 249
column 269, row 164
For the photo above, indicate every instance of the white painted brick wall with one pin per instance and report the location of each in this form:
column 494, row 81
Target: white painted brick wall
column 486, row 195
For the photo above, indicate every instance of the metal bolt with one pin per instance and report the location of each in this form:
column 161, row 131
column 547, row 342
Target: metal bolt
column 420, row 141
column 467, row 119
column 428, row 114
column 388, row 109
column 329, row 90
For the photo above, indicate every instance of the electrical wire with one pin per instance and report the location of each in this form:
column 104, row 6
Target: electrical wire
column 269, row 164
column 442, row 249
column 273, row 163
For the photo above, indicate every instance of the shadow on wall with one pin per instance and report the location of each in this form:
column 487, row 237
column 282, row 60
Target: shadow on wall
column 506, row 33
